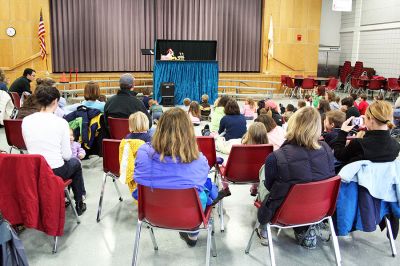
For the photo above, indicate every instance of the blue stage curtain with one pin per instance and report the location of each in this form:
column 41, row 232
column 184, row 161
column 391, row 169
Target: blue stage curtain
column 192, row 79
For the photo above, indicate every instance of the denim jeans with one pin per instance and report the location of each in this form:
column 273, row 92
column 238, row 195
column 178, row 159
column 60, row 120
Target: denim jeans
column 72, row 169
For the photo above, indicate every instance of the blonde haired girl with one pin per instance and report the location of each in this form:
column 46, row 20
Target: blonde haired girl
column 139, row 127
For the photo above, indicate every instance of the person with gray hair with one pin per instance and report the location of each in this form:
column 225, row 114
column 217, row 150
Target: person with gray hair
column 124, row 103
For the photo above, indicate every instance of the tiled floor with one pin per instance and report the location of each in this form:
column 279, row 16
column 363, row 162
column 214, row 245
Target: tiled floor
column 110, row 242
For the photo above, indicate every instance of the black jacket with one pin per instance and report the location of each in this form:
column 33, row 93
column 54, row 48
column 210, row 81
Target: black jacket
column 376, row 146
column 123, row 104
column 289, row 165
column 352, row 111
column 20, row 85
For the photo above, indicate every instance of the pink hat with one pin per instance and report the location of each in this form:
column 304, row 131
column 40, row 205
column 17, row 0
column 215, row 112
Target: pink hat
column 272, row 105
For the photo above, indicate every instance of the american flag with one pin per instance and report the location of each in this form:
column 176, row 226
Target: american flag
column 41, row 36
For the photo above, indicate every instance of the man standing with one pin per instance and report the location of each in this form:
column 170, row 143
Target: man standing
column 125, row 103
column 22, row 84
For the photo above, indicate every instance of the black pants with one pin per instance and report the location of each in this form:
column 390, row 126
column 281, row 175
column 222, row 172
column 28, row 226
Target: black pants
column 72, row 169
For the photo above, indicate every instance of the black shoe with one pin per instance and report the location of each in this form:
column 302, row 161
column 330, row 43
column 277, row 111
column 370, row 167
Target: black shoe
column 190, row 242
column 80, row 207
column 222, row 194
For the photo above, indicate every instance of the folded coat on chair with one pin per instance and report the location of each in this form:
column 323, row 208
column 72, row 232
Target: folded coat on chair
column 31, row 194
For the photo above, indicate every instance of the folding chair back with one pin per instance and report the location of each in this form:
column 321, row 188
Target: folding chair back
column 308, row 84
column 207, row 147
column 245, row 161
column 332, row 84
column 119, row 127
column 308, row 203
column 289, row 82
column 111, row 156
column 13, row 129
column 16, row 99
column 170, row 208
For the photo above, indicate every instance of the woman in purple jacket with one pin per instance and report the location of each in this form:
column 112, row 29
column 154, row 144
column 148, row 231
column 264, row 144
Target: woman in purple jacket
column 172, row 159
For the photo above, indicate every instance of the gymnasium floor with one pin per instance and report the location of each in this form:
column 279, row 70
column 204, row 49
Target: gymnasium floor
column 110, row 242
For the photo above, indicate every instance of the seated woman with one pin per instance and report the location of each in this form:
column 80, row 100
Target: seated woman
column 275, row 133
column 172, row 160
column 91, row 95
column 301, row 159
column 48, row 135
column 377, row 145
column 233, row 123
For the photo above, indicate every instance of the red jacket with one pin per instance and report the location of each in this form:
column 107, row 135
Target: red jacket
column 31, row 194
column 362, row 107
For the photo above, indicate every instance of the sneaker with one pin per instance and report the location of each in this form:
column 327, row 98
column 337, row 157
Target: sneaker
column 263, row 236
column 80, row 207
column 307, row 239
column 188, row 240
column 222, row 194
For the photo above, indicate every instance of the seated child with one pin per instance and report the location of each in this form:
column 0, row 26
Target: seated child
column 77, row 151
column 261, row 105
column 186, row 103
column 194, row 113
column 332, row 124
column 146, row 97
column 308, row 100
column 156, row 110
column 249, row 109
column 205, row 108
column 290, row 109
column 301, row 104
column 102, row 98
column 257, row 134
column 139, row 127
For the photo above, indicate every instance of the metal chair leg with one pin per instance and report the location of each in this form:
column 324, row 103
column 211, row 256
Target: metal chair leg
column 78, row 221
column 251, row 238
column 214, row 246
column 270, row 245
column 116, row 187
column 153, row 238
column 335, row 242
column 209, row 232
column 55, row 244
column 136, row 246
column 392, row 244
column 101, row 198
column 10, row 150
column 221, row 215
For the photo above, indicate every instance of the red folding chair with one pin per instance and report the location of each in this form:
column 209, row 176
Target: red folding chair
column 110, row 168
column 308, row 84
column 119, row 127
column 332, row 84
column 305, row 204
column 242, row 167
column 375, row 85
column 283, row 84
column 16, row 99
column 206, row 145
column 291, row 87
column 13, row 129
column 182, row 212
column 393, row 87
